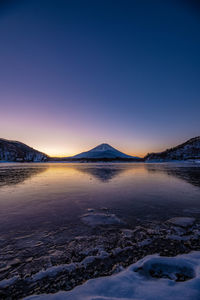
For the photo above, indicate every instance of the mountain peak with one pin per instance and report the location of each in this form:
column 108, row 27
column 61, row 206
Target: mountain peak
column 103, row 151
column 103, row 147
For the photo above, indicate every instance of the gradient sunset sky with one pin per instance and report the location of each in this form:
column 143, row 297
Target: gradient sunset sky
column 74, row 74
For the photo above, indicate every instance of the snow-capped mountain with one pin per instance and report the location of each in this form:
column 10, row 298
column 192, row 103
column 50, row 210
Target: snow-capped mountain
column 103, row 151
column 187, row 150
column 18, row 152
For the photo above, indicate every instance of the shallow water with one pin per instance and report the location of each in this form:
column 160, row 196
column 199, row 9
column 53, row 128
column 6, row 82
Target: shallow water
column 46, row 196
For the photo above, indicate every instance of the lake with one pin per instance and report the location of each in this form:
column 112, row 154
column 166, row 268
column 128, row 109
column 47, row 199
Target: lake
column 60, row 213
column 47, row 196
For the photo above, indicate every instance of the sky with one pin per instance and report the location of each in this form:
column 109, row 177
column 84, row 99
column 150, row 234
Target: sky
column 78, row 73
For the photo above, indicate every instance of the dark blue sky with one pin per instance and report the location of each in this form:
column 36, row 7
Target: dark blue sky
column 77, row 73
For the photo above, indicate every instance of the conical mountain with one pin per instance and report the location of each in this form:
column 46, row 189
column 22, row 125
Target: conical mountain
column 103, row 151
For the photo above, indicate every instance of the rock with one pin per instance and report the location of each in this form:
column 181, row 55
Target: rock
column 4, row 269
column 29, row 259
column 97, row 219
column 90, row 209
column 127, row 233
column 15, row 262
column 104, row 208
column 182, row 221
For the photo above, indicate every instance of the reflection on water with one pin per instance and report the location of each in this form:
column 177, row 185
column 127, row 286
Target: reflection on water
column 103, row 173
column 43, row 196
column 16, row 174
column 191, row 173
column 10, row 175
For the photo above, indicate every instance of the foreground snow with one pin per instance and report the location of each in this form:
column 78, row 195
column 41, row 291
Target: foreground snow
column 152, row 277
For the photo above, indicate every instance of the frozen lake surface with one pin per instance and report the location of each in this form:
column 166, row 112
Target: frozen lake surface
column 43, row 195
column 68, row 216
column 47, row 196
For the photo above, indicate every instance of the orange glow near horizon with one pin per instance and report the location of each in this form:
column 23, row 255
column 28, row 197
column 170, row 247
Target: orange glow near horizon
column 57, row 141
column 57, row 152
column 60, row 152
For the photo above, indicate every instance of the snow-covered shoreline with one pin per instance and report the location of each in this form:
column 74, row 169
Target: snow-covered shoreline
column 150, row 278
column 111, row 248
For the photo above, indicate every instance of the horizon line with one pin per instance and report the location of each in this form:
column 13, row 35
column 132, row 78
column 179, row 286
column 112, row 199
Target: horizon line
column 68, row 156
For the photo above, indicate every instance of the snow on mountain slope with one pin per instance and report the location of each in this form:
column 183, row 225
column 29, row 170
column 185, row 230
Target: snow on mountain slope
column 103, row 151
column 18, row 152
column 187, row 150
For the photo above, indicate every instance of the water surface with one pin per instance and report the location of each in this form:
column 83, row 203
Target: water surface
column 46, row 196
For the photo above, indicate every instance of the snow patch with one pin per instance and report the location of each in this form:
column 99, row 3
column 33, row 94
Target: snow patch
column 177, row 269
column 53, row 271
column 145, row 242
column 153, row 277
column 7, row 282
column 90, row 259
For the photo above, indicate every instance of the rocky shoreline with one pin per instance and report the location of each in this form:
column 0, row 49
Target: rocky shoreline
column 106, row 251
